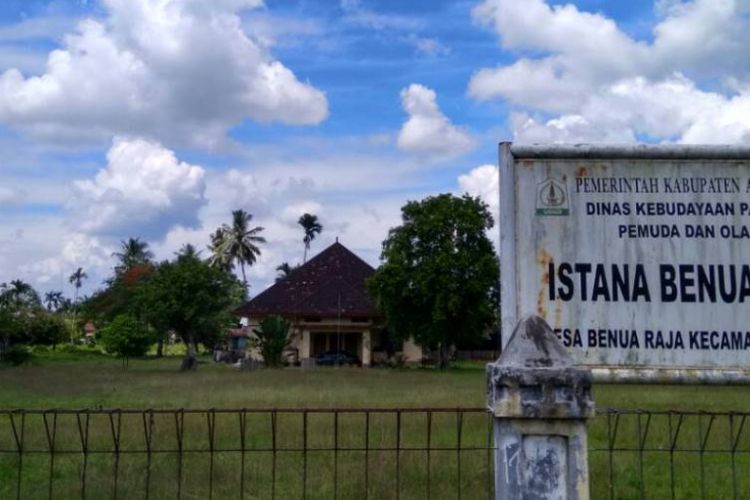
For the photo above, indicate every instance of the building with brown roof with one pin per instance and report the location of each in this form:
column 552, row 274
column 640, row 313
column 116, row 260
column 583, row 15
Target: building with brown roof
column 329, row 306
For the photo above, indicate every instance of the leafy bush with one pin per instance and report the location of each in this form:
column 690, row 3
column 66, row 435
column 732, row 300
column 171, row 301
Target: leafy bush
column 271, row 339
column 17, row 355
column 126, row 337
column 46, row 329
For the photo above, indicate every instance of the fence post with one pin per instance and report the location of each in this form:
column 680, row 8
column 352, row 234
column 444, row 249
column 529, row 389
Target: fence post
column 540, row 403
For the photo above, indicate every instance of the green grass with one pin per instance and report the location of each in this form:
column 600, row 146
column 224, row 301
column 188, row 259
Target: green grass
column 90, row 379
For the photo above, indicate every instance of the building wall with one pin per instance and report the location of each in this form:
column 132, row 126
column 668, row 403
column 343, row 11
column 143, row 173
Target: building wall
column 301, row 334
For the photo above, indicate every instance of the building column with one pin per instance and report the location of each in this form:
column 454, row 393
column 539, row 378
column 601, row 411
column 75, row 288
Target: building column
column 366, row 354
column 540, row 402
column 304, row 348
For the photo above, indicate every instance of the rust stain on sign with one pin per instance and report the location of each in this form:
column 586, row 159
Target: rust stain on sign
column 543, row 259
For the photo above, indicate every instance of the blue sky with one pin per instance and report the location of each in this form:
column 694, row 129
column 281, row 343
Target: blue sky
column 156, row 118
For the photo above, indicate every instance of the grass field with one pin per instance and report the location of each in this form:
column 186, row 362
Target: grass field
column 91, row 380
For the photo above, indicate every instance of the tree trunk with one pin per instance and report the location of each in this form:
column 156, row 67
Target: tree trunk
column 244, row 278
column 443, row 356
column 304, row 257
column 190, row 362
column 160, row 347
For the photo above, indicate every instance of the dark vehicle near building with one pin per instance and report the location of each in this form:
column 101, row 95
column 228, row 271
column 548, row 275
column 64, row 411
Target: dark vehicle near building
column 336, row 358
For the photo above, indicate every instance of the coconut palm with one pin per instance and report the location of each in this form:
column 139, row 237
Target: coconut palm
column 237, row 242
column 311, row 227
column 76, row 279
column 219, row 257
column 188, row 251
column 284, row 270
column 132, row 252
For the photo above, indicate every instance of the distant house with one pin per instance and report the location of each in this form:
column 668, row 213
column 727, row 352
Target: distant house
column 330, row 308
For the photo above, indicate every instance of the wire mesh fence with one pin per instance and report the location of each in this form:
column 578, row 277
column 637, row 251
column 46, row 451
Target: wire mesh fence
column 669, row 454
column 246, row 453
column 348, row 453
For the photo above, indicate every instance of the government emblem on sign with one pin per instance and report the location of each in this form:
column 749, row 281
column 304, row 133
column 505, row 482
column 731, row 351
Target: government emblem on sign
column 552, row 198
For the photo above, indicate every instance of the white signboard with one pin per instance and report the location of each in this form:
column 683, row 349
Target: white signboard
column 636, row 256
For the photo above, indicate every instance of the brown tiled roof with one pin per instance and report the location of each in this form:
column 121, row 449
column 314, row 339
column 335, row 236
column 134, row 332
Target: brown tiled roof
column 330, row 284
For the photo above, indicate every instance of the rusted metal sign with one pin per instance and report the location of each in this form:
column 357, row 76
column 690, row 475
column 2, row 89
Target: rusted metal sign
column 637, row 256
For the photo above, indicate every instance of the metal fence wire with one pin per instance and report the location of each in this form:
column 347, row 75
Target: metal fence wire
column 347, row 453
column 246, row 453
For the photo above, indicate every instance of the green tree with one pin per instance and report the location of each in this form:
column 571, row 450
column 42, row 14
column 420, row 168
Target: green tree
column 285, row 270
column 46, row 329
column 272, row 339
column 242, row 241
column 219, row 259
column 191, row 298
column 439, row 279
column 19, row 295
column 133, row 252
column 126, row 337
column 54, row 300
column 311, row 227
column 76, row 279
column 188, row 250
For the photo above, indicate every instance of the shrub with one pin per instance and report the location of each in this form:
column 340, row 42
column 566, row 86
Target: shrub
column 46, row 329
column 126, row 337
column 17, row 355
column 271, row 339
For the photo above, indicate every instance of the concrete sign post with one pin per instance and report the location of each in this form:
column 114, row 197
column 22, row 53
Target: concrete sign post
column 540, row 403
column 637, row 256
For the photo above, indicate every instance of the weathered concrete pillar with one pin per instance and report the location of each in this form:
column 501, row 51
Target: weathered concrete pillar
column 540, row 402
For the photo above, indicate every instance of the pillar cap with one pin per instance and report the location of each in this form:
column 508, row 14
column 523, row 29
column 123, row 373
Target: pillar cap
column 535, row 377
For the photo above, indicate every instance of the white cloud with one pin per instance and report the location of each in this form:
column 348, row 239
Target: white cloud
column 177, row 70
column 143, row 191
column 431, row 47
column 593, row 82
column 10, row 196
column 428, row 131
column 482, row 181
column 293, row 212
column 355, row 12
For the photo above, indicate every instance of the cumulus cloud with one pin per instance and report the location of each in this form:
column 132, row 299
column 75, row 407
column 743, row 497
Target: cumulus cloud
column 428, row 131
column 77, row 250
column 482, row 181
column 143, row 191
column 593, row 82
column 176, row 70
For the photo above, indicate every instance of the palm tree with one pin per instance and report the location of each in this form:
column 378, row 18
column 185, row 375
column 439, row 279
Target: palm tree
column 53, row 300
column 21, row 293
column 188, row 251
column 76, row 279
column 132, row 253
column 238, row 242
column 311, row 227
column 284, row 270
column 219, row 258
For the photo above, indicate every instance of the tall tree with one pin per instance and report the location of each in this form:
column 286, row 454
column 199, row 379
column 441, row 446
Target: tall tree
column 53, row 300
column 439, row 280
column 219, row 256
column 188, row 250
column 191, row 298
column 239, row 242
column 311, row 226
column 76, row 279
column 132, row 252
column 18, row 294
